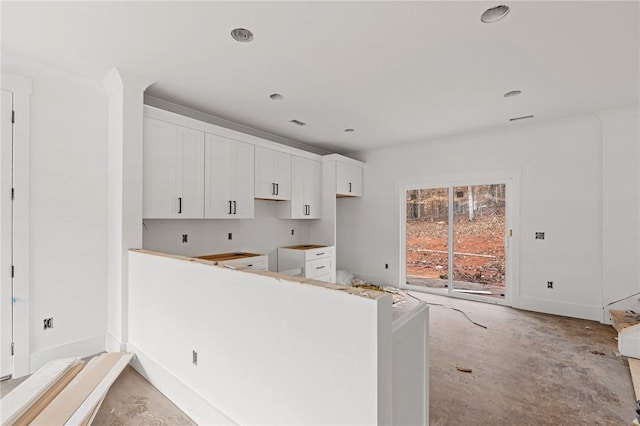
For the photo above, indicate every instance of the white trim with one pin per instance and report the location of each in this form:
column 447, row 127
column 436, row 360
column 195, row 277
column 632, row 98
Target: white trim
column 189, row 401
column 181, row 120
column 343, row 159
column 112, row 344
column 22, row 89
column 511, row 178
column 80, row 348
column 547, row 306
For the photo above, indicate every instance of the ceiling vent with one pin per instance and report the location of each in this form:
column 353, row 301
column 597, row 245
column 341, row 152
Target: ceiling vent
column 524, row 117
column 242, row 35
column 298, row 122
column 494, row 14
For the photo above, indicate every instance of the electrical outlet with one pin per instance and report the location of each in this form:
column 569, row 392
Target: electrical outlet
column 48, row 323
column 292, row 232
column 539, row 235
column 230, row 236
column 386, row 266
column 549, row 284
column 194, row 357
column 185, row 238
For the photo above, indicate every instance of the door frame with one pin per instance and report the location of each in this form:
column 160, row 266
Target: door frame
column 512, row 221
column 22, row 89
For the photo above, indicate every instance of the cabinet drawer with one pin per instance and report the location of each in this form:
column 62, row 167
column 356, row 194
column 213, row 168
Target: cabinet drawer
column 319, row 267
column 257, row 262
column 318, row 253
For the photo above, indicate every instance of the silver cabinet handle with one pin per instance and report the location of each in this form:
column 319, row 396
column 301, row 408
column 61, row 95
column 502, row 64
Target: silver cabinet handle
column 179, row 205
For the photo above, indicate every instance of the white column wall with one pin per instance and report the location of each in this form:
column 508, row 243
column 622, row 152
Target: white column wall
column 125, row 124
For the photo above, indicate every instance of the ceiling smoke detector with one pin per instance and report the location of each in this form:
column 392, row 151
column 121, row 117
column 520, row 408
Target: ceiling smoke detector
column 276, row 97
column 242, row 35
column 512, row 93
column 494, row 14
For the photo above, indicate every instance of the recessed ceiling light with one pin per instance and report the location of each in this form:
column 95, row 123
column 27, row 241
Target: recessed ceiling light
column 524, row 117
column 276, row 97
column 349, row 130
column 298, row 122
column 241, row 34
column 512, row 93
column 494, row 14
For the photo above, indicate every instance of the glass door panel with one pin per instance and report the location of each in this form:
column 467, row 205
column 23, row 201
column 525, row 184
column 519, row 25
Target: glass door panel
column 479, row 240
column 427, row 256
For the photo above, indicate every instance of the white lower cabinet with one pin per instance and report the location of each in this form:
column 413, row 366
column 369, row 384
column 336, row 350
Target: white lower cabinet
column 308, row 261
column 228, row 185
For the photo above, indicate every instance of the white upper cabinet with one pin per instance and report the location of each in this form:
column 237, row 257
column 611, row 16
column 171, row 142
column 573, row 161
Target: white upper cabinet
column 348, row 180
column 229, row 178
column 173, row 171
column 272, row 174
column 306, row 190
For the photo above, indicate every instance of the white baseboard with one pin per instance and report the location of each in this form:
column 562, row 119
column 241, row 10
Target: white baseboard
column 79, row 348
column 192, row 403
column 112, row 344
column 572, row 310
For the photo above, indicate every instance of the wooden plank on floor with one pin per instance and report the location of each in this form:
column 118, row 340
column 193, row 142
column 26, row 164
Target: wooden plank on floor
column 98, row 394
column 18, row 401
column 72, row 396
column 634, row 368
column 46, row 399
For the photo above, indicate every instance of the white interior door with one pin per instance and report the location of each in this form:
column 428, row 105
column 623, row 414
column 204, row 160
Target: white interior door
column 6, row 231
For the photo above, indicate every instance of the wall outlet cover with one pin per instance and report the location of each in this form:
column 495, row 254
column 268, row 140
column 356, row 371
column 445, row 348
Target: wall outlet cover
column 539, row 235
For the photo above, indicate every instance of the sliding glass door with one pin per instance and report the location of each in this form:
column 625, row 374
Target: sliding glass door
column 457, row 240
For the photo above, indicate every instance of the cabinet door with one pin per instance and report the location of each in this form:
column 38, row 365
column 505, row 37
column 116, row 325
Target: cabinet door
column 241, row 180
column 298, row 208
column 313, row 189
column 217, row 201
column 348, row 180
column 173, row 171
column 190, row 173
column 264, row 173
column 272, row 174
column 282, row 175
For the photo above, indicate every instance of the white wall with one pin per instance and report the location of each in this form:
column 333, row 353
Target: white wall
column 560, row 193
column 270, row 351
column 620, row 206
column 263, row 234
column 68, row 223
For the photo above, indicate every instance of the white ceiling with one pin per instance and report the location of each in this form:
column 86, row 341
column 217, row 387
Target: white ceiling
column 394, row 71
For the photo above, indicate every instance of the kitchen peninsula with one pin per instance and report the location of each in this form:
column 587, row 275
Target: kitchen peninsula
column 243, row 346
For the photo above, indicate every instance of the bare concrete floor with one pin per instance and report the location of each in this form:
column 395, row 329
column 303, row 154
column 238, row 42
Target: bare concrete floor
column 527, row 369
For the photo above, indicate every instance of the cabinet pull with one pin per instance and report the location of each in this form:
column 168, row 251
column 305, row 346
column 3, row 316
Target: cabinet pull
column 250, row 265
column 308, row 209
column 229, row 207
column 349, row 186
column 320, row 267
column 234, row 207
column 319, row 254
column 277, row 189
column 273, row 189
column 179, row 205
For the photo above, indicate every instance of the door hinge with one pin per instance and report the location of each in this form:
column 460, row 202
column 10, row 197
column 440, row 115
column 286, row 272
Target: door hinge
column 13, row 116
column 13, row 271
column 12, row 348
column 13, row 194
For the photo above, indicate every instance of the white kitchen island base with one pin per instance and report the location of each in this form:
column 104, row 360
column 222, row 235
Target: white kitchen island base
column 238, row 347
